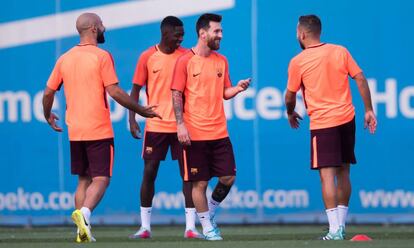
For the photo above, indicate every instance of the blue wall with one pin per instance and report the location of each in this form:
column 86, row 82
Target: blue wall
column 274, row 182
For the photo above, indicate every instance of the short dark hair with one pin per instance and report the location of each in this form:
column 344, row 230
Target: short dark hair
column 204, row 20
column 311, row 23
column 171, row 21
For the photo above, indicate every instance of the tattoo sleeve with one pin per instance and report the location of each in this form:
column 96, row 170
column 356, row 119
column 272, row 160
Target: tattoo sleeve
column 178, row 105
column 220, row 192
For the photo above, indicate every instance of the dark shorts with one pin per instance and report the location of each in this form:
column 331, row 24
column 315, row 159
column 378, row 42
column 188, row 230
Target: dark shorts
column 156, row 146
column 92, row 158
column 334, row 146
column 206, row 159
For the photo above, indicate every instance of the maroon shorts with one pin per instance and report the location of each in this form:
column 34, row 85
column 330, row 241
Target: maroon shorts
column 156, row 146
column 203, row 160
column 92, row 158
column 334, row 146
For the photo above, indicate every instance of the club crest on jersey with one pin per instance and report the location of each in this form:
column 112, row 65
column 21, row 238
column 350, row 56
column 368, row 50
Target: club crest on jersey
column 148, row 149
column 194, row 171
column 219, row 72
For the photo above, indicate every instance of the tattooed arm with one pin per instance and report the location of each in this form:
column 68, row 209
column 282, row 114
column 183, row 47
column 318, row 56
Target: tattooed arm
column 178, row 105
column 182, row 132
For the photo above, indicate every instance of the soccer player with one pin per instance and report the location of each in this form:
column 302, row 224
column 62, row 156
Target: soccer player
column 87, row 73
column 155, row 70
column 201, row 81
column 321, row 70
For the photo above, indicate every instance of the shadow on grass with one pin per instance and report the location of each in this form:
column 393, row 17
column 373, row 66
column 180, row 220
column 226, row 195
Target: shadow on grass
column 229, row 238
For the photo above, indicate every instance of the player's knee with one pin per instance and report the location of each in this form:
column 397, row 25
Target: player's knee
column 327, row 174
column 151, row 170
column 84, row 179
column 104, row 181
column 150, row 174
column 343, row 170
column 84, row 183
column 107, row 181
column 200, row 185
column 227, row 180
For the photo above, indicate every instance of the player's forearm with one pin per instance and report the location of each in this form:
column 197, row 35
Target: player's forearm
column 47, row 101
column 177, row 98
column 290, row 102
column 135, row 96
column 363, row 88
column 121, row 97
column 230, row 92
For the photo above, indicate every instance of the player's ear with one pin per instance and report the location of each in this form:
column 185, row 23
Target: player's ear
column 302, row 35
column 94, row 28
column 203, row 34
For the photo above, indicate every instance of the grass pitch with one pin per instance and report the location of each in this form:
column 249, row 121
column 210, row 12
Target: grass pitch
column 251, row 236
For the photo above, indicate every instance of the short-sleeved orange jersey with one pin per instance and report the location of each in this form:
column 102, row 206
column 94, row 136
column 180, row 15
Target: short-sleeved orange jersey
column 322, row 71
column 155, row 70
column 85, row 71
column 202, row 81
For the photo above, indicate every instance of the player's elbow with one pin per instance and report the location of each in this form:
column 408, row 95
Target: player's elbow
column 48, row 97
column 113, row 91
column 48, row 92
column 360, row 80
column 228, row 93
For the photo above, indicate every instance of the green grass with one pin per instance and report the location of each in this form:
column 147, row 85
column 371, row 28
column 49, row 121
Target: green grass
column 253, row 236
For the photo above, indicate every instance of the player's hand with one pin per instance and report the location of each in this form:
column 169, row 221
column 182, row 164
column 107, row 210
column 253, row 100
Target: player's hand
column 148, row 111
column 294, row 120
column 243, row 84
column 135, row 129
column 370, row 121
column 183, row 135
column 52, row 122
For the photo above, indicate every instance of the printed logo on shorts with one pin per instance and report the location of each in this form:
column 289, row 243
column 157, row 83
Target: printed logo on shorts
column 194, row 171
column 148, row 149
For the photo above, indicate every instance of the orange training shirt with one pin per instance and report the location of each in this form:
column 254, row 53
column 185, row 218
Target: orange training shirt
column 322, row 72
column 155, row 70
column 85, row 71
column 202, row 81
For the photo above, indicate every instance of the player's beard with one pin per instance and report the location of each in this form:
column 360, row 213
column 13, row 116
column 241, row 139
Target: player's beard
column 101, row 38
column 214, row 44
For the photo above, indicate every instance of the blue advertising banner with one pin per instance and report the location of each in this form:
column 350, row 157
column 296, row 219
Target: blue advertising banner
column 274, row 182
